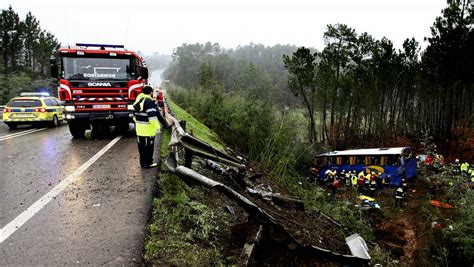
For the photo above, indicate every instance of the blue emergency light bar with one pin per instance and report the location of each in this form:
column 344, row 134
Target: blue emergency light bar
column 37, row 94
column 101, row 45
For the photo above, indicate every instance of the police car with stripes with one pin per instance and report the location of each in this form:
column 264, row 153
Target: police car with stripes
column 33, row 109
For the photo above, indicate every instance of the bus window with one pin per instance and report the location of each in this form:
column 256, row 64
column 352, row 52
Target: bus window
column 338, row 161
column 345, row 160
column 393, row 160
column 383, row 160
column 329, row 160
column 352, row 160
column 374, row 160
column 359, row 160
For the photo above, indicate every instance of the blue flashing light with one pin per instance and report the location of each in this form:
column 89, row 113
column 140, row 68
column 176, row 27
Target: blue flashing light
column 37, row 94
column 101, row 45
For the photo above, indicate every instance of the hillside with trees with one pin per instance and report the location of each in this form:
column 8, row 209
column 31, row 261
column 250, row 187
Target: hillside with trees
column 283, row 108
column 25, row 50
column 358, row 91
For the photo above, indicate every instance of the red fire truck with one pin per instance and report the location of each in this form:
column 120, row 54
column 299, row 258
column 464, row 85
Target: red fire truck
column 98, row 84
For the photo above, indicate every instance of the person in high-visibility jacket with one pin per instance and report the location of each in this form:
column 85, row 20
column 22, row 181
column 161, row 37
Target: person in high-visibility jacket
column 146, row 126
column 464, row 167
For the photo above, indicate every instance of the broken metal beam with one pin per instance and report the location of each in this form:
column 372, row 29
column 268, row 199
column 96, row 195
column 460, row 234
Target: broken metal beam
column 247, row 251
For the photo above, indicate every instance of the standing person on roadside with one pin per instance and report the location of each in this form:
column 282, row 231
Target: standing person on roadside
column 160, row 99
column 146, row 126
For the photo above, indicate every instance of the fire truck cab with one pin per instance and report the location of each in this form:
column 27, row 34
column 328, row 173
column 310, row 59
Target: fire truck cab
column 98, row 84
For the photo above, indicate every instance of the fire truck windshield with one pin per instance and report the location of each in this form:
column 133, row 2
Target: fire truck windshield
column 80, row 68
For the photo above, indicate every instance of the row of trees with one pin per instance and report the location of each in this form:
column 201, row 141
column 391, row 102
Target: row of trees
column 25, row 50
column 231, row 65
column 364, row 89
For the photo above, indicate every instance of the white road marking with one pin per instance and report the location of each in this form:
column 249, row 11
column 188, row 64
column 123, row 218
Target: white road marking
column 18, row 134
column 29, row 130
column 21, row 219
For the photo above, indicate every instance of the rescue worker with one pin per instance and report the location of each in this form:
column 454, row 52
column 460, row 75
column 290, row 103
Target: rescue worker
column 314, row 174
column 386, row 181
column 342, row 176
column 354, row 178
column 372, row 188
column 146, row 126
column 404, row 185
column 366, row 187
column 335, row 186
column 160, row 99
column 379, row 181
column 360, row 184
column 464, row 167
column 399, row 196
column 455, row 168
column 368, row 176
column 348, row 178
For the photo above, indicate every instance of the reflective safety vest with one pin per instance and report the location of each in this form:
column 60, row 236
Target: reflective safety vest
column 464, row 167
column 145, row 116
column 399, row 194
column 354, row 180
column 373, row 185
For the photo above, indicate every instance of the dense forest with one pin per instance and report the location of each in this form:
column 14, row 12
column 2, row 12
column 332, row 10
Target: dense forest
column 25, row 50
column 358, row 91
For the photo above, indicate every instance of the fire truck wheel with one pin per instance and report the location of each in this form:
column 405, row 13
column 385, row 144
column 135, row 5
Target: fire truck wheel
column 122, row 127
column 77, row 130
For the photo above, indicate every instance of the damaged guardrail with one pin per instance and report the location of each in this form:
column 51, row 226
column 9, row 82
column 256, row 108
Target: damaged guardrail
column 268, row 225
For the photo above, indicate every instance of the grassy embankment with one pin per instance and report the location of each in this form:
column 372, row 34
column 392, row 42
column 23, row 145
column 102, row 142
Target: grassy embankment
column 184, row 229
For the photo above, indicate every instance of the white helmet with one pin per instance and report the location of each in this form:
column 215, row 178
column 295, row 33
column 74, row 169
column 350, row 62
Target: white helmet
column 457, row 161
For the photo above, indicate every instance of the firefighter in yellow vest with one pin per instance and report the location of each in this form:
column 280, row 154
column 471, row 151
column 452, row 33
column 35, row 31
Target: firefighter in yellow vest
column 146, row 126
column 464, row 167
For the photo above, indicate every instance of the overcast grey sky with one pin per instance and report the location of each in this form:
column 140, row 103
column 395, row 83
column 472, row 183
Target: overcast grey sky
column 160, row 26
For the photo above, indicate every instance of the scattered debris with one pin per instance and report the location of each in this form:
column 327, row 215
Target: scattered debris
column 249, row 245
column 358, row 246
column 440, row 204
column 229, row 209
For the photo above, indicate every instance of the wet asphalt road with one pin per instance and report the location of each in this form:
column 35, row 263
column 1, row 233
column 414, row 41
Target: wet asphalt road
column 99, row 218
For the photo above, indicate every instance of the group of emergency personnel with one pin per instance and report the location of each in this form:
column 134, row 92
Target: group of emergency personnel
column 148, row 116
column 463, row 169
column 366, row 183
